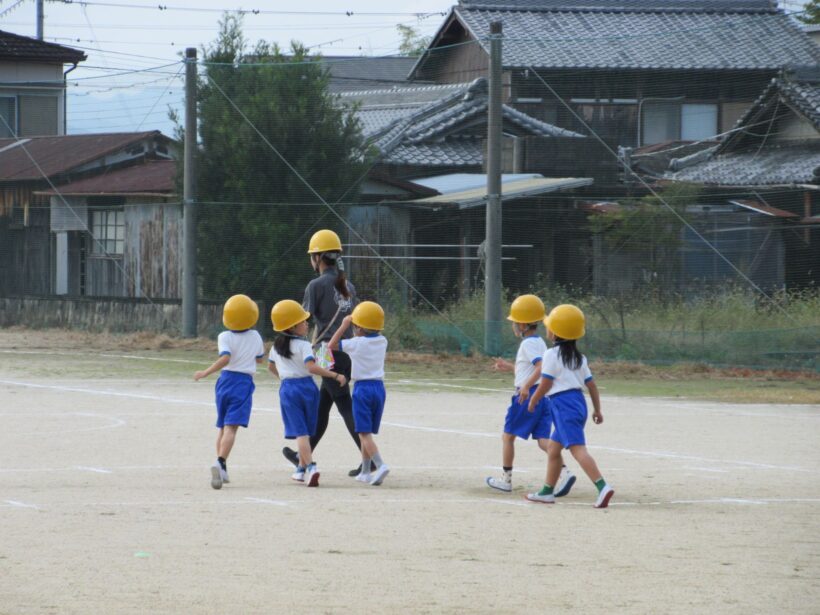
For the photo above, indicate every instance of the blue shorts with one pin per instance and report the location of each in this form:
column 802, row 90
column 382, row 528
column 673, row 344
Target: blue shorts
column 299, row 401
column 234, row 398
column 569, row 415
column 522, row 423
column 368, row 405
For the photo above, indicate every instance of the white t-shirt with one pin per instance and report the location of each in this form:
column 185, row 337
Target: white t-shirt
column 367, row 354
column 563, row 378
column 244, row 347
column 301, row 353
column 530, row 352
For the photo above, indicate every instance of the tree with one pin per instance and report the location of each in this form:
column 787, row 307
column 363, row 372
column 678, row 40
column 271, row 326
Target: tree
column 412, row 43
column 255, row 213
column 811, row 13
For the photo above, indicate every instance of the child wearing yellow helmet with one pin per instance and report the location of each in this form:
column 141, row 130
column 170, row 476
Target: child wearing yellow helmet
column 564, row 371
column 240, row 349
column 367, row 350
column 525, row 314
column 291, row 359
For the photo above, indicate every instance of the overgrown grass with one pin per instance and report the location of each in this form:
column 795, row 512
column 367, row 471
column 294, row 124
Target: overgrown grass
column 733, row 327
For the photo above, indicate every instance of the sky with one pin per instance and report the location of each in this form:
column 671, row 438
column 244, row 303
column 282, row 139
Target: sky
column 107, row 95
column 133, row 76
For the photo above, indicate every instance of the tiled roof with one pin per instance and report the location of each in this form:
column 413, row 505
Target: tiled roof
column 60, row 154
column 785, row 165
column 642, row 40
column 456, row 152
column 444, row 132
column 757, row 6
column 154, row 177
column 362, row 72
column 16, row 48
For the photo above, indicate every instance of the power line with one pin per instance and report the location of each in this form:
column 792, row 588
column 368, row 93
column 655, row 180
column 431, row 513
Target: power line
column 166, row 7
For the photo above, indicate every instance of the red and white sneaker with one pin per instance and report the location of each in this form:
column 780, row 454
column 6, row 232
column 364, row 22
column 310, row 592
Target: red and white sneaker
column 603, row 498
column 312, row 476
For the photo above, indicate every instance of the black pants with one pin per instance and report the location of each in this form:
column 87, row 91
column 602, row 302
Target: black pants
column 331, row 393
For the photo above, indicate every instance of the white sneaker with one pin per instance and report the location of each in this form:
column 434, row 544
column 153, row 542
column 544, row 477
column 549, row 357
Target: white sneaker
column 363, row 478
column 224, row 474
column 565, row 483
column 502, row 484
column 543, row 499
column 216, row 476
column 377, row 477
column 312, row 476
column 298, row 475
column 603, row 498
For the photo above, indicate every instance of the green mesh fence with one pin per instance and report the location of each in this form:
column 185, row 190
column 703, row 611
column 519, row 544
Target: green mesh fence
column 792, row 349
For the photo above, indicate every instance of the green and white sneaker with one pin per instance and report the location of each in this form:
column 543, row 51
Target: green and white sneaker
column 543, row 499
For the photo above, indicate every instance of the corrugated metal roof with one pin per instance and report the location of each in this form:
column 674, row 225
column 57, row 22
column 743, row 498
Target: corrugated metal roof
column 16, row 48
column 512, row 188
column 151, row 177
column 763, row 208
column 60, row 154
column 626, row 37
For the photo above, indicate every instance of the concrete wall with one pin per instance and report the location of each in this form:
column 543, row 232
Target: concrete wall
column 115, row 314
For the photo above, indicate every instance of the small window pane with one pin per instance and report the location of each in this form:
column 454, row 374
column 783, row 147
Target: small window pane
column 698, row 122
column 108, row 229
column 8, row 125
column 661, row 122
column 38, row 116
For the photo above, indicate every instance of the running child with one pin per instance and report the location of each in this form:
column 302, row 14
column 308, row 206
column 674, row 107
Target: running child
column 240, row 349
column 291, row 360
column 367, row 350
column 526, row 312
column 564, row 371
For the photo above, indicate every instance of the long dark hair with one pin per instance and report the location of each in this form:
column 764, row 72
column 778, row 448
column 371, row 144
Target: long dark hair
column 281, row 344
column 571, row 357
column 330, row 258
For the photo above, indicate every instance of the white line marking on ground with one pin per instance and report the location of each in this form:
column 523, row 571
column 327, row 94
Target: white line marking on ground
column 266, row 501
column 448, row 386
column 659, row 454
column 97, row 470
column 667, row 455
column 16, row 504
column 716, row 470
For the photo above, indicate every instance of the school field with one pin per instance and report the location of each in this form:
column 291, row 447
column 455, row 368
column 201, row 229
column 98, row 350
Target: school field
column 106, row 506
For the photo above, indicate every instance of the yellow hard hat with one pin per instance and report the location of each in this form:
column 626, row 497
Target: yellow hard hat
column 286, row 314
column 526, row 309
column 566, row 321
column 240, row 313
column 324, row 241
column 368, row 315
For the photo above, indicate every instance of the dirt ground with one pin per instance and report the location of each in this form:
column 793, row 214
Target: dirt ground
column 105, row 503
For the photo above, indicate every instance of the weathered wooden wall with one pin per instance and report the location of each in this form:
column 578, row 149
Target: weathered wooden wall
column 113, row 314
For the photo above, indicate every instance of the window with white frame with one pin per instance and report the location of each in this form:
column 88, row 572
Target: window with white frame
column 8, row 112
column 108, row 230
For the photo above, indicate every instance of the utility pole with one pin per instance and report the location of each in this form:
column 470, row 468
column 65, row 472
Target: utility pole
column 40, row 19
column 189, row 287
column 492, row 266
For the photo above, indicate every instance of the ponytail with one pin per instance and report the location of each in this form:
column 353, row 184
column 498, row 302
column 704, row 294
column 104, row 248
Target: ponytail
column 331, row 260
column 571, row 357
column 282, row 345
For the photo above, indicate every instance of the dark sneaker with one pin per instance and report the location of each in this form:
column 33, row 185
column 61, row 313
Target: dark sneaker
column 291, row 455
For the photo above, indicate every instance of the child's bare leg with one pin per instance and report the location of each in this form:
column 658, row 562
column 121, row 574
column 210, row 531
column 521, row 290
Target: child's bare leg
column 219, row 439
column 305, row 456
column 369, row 448
column 554, row 462
column 225, row 441
column 585, row 460
column 507, row 449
